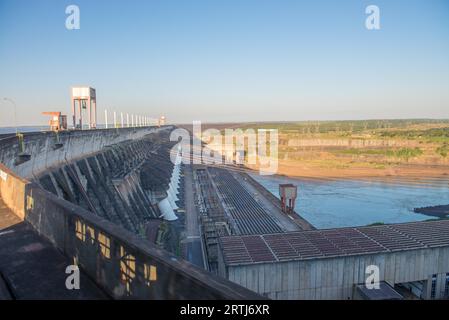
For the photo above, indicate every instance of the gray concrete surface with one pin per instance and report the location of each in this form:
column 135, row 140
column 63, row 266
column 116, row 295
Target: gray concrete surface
column 334, row 278
column 193, row 241
column 41, row 146
column 31, row 268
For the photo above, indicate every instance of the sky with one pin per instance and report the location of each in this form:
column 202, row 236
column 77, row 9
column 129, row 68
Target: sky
column 227, row 60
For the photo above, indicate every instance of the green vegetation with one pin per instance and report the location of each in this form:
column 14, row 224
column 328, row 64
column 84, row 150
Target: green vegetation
column 433, row 134
column 361, row 146
column 443, row 150
column 406, row 153
column 403, row 153
column 358, row 126
column 359, row 152
column 378, row 165
column 376, row 224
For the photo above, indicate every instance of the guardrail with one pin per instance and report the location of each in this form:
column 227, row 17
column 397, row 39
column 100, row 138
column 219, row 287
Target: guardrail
column 122, row 264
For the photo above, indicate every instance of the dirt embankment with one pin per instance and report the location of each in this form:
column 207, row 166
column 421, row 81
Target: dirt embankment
column 298, row 169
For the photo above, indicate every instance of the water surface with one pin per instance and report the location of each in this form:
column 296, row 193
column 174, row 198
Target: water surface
column 342, row 203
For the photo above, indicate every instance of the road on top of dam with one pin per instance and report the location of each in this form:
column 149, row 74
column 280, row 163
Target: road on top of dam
column 193, row 241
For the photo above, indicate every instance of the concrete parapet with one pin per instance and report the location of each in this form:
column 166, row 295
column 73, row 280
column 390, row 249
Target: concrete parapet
column 13, row 190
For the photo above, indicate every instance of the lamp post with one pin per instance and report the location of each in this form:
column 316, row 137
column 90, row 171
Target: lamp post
column 15, row 112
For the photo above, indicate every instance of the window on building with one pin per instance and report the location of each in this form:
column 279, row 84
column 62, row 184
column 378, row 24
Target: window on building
column 105, row 245
column 150, row 273
column 80, row 230
column 127, row 268
column 90, row 232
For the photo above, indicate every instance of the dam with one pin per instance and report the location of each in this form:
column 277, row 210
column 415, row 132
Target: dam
column 142, row 226
column 92, row 198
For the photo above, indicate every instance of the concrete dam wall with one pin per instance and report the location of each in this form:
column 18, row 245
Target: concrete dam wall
column 108, row 184
column 122, row 264
column 103, row 172
column 36, row 152
column 130, row 183
column 90, row 193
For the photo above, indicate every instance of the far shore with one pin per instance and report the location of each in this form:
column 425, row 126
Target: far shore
column 298, row 170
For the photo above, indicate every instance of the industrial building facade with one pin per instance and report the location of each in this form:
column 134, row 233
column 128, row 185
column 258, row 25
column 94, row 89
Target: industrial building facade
column 330, row 264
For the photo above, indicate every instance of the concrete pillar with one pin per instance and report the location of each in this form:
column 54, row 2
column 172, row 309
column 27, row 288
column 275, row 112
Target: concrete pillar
column 89, row 111
column 173, row 193
column 175, row 179
column 173, row 189
column 74, row 113
column 80, row 111
column 166, row 210
column 440, row 286
column 176, row 172
column 94, row 112
column 171, row 201
column 426, row 289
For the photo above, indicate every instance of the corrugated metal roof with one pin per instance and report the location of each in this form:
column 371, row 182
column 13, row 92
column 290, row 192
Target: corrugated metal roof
column 249, row 216
column 301, row 245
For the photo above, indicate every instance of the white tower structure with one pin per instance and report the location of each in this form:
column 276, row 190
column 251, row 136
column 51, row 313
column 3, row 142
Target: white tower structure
column 84, row 98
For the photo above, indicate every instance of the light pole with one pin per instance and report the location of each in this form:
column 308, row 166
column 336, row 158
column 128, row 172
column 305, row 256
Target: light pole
column 15, row 112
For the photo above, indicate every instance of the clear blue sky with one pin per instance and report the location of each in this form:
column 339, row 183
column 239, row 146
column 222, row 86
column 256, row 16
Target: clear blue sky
column 228, row 60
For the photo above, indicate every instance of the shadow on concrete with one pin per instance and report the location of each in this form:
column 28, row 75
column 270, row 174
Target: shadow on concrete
column 32, row 268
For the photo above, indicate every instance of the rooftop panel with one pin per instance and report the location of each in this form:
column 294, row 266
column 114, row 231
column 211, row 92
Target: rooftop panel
column 301, row 245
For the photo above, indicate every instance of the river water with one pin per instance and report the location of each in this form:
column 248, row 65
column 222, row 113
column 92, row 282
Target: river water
column 344, row 203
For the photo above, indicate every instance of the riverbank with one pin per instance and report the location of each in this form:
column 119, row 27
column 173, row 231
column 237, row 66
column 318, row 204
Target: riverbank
column 298, row 169
column 434, row 211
